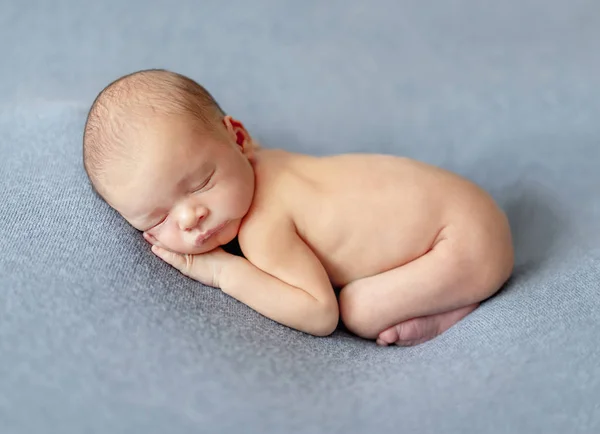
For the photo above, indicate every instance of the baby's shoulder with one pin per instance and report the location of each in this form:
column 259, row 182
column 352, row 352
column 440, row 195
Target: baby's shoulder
column 270, row 214
column 262, row 228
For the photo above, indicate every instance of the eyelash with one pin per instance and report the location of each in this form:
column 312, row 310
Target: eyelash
column 159, row 223
column 204, row 184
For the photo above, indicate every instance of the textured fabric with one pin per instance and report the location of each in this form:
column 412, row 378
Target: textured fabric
column 99, row 336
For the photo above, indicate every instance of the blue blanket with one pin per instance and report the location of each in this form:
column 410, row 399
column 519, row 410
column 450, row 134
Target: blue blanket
column 98, row 336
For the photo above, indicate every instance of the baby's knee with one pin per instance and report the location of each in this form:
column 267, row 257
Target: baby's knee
column 480, row 265
column 496, row 259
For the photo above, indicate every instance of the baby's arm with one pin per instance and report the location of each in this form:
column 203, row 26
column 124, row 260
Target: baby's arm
column 282, row 278
column 286, row 282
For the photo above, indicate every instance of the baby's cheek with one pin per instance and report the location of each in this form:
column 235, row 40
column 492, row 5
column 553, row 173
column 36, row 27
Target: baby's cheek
column 169, row 238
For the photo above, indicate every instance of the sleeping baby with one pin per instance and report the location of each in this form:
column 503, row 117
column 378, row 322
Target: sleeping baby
column 397, row 249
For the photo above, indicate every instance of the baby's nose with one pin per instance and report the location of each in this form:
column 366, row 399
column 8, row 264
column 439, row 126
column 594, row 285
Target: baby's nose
column 190, row 217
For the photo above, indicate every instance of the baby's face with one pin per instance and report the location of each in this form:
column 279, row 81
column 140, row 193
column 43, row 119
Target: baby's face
column 190, row 190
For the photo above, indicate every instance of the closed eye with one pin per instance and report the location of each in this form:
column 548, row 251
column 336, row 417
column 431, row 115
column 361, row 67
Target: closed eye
column 161, row 221
column 151, row 226
column 204, row 184
column 157, row 224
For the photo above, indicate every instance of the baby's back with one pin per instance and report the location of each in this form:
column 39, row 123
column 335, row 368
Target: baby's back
column 363, row 214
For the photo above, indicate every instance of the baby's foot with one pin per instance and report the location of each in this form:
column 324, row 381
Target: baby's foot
column 418, row 330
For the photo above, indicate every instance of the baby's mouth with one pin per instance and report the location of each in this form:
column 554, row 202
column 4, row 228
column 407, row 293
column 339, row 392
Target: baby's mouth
column 202, row 238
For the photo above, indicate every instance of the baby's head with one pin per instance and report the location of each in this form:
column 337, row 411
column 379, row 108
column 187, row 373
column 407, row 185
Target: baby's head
column 159, row 150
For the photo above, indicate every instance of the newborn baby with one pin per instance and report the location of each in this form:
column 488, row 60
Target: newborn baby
column 411, row 248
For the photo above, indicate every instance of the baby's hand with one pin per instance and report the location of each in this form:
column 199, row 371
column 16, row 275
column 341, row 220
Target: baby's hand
column 206, row 267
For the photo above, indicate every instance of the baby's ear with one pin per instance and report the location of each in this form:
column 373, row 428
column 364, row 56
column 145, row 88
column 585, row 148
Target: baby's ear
column 237, row 132
column 250, row 150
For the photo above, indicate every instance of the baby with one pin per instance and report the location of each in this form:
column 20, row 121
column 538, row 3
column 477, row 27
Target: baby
column 411, row 248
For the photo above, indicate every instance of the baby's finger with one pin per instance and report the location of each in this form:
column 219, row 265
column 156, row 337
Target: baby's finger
column 152, row 240
column 148, row 237
column 166, row 255
column 174, row 259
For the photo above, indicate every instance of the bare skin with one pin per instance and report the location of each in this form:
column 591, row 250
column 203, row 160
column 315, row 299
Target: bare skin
column 384, row 229
column 412, row 248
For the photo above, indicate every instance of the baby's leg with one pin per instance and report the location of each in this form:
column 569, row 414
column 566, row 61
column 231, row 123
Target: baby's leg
column 429, row 294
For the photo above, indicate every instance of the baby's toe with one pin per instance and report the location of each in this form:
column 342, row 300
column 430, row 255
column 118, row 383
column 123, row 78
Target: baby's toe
column 408, row 333
column 387, row 337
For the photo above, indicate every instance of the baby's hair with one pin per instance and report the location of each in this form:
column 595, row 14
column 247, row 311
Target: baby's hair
column 124, row 104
